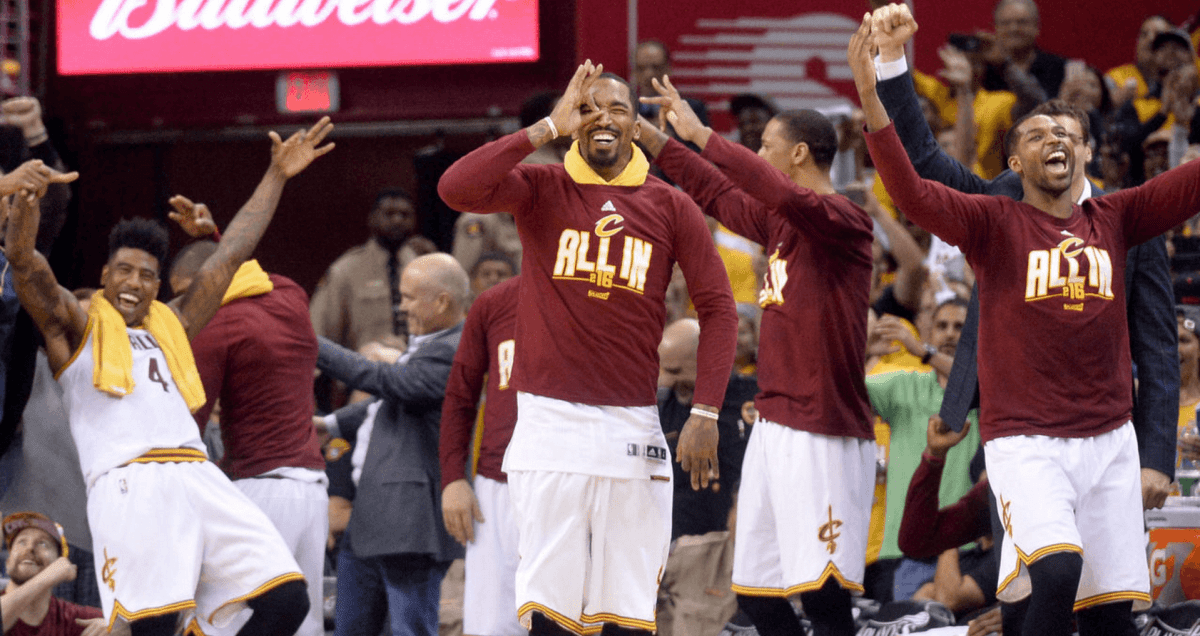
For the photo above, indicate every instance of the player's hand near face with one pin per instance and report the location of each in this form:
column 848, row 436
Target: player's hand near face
column 697, row 449
column 940, row 438
column 194, row 218
column 460, row 510
column 678, row 113
column 575, row 109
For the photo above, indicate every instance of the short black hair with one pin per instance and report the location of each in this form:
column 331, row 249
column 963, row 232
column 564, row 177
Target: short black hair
column 499, row 257
column 395, row 192
column 1057, row 107
column 617, row 78
column 953, row 301
column 140, row 234
column 189, row 260
column 810, row 127
column 538, row 106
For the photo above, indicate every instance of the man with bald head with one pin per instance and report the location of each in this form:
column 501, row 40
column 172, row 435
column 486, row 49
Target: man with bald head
column 396, row 549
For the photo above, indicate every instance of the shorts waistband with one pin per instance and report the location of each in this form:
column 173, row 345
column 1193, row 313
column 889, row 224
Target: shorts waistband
column 169, row 456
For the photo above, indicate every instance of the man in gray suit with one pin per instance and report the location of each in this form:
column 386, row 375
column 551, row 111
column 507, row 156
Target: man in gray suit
column 396, row 549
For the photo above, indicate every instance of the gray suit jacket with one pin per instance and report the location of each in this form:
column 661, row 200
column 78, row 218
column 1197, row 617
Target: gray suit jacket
column 398, row 505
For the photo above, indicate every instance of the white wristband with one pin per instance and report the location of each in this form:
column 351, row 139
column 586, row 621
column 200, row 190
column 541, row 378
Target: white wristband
column 553, row 128
column 703, row 413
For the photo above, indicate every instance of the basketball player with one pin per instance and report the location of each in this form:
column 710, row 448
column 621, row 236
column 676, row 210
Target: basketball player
column 170, row 532
column 808, row 475
column 587, row 465
column 478, row 511
column 1054, row 360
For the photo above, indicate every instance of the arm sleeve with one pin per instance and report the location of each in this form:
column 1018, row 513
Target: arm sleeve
column 462, row 395
column 708, row 286
column 1159, row 204
column 422, row 380
column 813, row 214
column 488, row 179
column 899, row 97
column 926, row 531
column 1153, row 340
column 713, row 191
column 957, row 218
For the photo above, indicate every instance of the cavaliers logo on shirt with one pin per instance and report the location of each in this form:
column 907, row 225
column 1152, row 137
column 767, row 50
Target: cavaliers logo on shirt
column 1059, row 274
column 774, row 282
column 607, row 262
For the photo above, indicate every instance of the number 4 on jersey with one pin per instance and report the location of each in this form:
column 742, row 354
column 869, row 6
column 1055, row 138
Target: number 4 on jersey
column 156, row 376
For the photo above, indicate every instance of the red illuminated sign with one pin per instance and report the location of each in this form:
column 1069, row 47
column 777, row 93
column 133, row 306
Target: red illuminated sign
column 307, row 92
column 148, row 36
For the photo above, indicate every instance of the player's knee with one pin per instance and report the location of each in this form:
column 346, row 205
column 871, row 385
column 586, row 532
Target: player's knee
column 540, row 625
column 1056, row 573
column 284, row 605
column 154, row 625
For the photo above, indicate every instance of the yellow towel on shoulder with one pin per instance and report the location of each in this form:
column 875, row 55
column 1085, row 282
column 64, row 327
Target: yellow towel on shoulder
column 112, row 371
column 633, row 175
column 250, row 280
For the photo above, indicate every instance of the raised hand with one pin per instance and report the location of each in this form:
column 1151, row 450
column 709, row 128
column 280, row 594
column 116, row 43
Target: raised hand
column 859, row 55
column 957, row 70
column 892, row 329
column 576, row 108
column 678, row 112
column 892, row 26
column 33, row 176
column 194, row 218
column 940, row 438
column 292, row 156
column 697, row 450
column 460, row 511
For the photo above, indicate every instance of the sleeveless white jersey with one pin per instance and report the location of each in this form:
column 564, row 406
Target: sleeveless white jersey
column 110, row 431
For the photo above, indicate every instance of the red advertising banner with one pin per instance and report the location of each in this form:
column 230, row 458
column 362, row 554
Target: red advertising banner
column 152, row 36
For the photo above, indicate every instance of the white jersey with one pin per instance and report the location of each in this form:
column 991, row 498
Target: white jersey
column 111, row 431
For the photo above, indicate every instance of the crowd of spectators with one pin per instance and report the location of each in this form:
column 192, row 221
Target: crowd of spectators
column 387, row 316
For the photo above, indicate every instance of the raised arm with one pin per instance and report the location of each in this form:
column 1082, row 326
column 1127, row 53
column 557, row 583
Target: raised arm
column 288, row 158
column 891, row 28
column 487, row 179
column 1159, row 204
column 55, row 311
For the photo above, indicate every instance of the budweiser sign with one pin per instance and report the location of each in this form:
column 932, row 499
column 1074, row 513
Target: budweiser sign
column 124, row 36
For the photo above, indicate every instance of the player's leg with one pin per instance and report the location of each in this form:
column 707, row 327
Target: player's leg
column 1054, row 579
column 829, row 610
column 279, row 611
column 489, row 600
column 163, row 625
column 771, row 615
column 1115, row 577
column 630, row 539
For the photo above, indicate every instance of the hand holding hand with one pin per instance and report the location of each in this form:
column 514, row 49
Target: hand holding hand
column 940, row 438
column 460, row 511
column 292, row 156
column 194, row 218
column 678, row 112
column 697, row 450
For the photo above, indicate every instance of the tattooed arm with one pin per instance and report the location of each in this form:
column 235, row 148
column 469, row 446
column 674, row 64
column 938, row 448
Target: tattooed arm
column 196, row 307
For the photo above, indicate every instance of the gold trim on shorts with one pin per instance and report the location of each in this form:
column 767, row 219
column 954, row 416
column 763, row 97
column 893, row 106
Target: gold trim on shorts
column 260, row 590
column 831, row 570
column 1110, row 597
column 168, row 456
column 193, row 628
column 1024, row 559
column 120, row 611
column 576, row 627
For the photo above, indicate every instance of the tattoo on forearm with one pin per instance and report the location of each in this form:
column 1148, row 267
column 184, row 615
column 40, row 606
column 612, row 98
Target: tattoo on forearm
column 540, row 133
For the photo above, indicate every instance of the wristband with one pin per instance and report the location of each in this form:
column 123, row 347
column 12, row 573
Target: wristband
column 930, row 351
column 703, row 413
column 553, row 128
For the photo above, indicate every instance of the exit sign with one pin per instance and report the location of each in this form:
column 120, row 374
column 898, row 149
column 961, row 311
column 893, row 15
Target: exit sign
column 307, row 92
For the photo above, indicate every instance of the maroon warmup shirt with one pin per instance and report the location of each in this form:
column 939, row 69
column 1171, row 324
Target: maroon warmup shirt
column 813, row 336
column 257, row 356
column 597, row 260
column 487, row 347
column 59, row 621
column 1053, row 338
